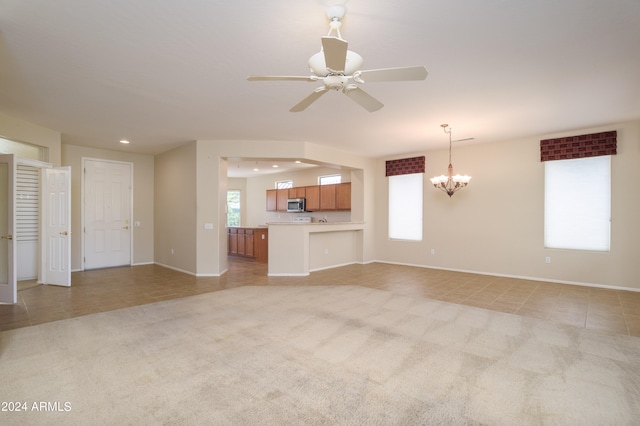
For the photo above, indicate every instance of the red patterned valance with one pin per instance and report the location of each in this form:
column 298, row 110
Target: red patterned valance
column 405, row 166
column 582, row 146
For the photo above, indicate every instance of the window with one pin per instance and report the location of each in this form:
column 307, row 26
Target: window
column 22, row 149
column 330, row 179
column 577, row 203
column 405, row 207
column 284, row 184
column 233, row 208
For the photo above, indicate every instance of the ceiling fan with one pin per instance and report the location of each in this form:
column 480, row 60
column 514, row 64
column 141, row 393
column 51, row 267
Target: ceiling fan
column 339, row 69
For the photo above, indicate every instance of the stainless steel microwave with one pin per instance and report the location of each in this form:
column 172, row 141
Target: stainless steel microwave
column 296, row 205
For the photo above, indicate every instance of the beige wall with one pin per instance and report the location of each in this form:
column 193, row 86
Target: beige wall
column 175, row 203
column 21, row 131
column 142, row 208
column 495, row 226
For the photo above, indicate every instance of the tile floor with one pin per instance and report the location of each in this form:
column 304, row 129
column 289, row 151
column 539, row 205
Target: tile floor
column 107, row 289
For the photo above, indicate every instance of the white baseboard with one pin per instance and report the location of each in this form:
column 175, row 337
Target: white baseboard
column 519, row 277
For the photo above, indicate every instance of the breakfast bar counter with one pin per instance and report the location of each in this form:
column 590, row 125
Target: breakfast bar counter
column 296, row 249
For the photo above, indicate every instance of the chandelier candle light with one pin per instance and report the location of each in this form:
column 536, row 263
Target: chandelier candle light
column 450, row 183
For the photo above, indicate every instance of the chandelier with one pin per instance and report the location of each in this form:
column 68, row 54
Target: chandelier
column 450, row 183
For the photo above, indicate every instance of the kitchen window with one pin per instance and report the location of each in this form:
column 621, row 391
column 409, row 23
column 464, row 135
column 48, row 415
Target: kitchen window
column 233, row 208
column 284, row 184
column 330, row 179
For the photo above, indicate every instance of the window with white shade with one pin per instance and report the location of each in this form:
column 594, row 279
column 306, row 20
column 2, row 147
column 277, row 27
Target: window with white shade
column 405, row 206
column 577, row 203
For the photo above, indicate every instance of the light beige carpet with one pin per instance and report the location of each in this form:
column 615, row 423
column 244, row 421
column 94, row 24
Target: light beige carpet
column 316, row 355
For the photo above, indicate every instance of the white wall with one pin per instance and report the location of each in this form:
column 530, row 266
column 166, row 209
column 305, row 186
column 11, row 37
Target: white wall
column 495, row 225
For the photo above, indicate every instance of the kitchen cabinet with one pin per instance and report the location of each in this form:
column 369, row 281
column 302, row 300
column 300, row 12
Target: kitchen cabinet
column 233, row 241
column 282, row 195
column 318, row 197
column 249, row 242
column 297, row 192
column 261, row 245
column 327, row 197
column 312, row 196
column 272, row 200
column 343, row 196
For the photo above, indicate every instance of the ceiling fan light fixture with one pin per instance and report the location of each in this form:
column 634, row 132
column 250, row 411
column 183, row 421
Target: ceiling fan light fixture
column 339, row 69
column 319, row 67
column 336, row 12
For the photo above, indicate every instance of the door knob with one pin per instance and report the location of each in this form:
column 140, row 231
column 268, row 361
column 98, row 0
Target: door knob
column 63, row 233
column 7, row 237
column 125, row 227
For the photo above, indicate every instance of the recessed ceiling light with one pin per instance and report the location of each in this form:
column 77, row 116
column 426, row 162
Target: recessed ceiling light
column 298, row 161
column 275, row 166
column 124, row 141
column 256, row 170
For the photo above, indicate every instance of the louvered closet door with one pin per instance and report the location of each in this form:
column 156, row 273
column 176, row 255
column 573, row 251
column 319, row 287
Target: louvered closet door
column 27, row 221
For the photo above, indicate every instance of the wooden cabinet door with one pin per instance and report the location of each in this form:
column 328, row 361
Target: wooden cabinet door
column 233, row 241
column 272, row 200
column 282, row 197
column 343, row 196
column 327, row 197
column 241, row 246
column 297, row 192
column 248, row 243
column 312, row 194
column 261, row 245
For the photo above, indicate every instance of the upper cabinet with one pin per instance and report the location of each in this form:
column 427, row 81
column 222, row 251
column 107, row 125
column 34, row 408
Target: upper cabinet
column 277, row 199
column 343, row 196
column 297, row 192
column 312, row 196
column 272, row 200
column 327, row 197
column 281, row 199
column 318, row 197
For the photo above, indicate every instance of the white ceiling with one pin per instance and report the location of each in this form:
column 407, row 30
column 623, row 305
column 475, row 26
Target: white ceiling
column 161, row 73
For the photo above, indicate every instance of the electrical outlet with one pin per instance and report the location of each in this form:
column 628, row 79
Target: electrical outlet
column 433, row 251
column 326, row 251
column 547, row 259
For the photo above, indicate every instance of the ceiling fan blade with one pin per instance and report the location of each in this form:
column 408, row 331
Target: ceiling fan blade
column 392, row 74
column 303, row 104
column 335, row 53
column 281, row 78
column 365, row 100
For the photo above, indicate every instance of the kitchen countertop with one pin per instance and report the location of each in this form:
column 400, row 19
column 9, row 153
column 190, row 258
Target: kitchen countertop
column 315, row 223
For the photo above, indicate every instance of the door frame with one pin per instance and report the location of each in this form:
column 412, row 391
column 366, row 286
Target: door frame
column 82, row 209
column 15, row 159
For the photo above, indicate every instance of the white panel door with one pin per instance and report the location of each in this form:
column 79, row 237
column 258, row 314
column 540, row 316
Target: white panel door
column 57, row 226
column 8, row 283
column 107, row 212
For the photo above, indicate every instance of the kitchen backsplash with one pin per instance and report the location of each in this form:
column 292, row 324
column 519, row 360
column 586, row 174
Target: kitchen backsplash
column 342, row 216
